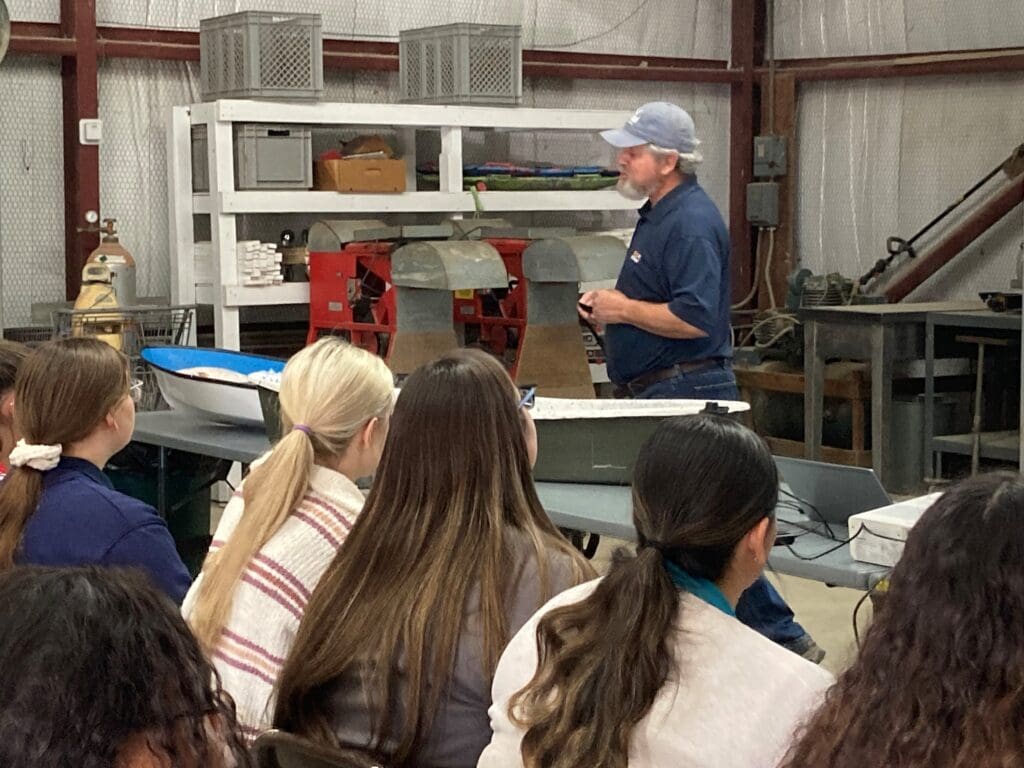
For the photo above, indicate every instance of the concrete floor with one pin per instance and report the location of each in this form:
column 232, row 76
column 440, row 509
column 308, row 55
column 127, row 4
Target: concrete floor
column 825, row 612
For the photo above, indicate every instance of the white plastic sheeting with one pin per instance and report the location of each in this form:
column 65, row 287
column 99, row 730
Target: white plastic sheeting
column 135, row 98
column 683, row 28
column 677, row 28
column 32, row 187
column 819, row 28
column 881, row 158
column 34, row 10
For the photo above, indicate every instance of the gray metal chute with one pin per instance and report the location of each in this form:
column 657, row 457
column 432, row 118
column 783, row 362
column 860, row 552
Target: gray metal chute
column 580, row 259
column 450, row 265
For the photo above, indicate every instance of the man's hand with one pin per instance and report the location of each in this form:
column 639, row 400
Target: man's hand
column 606, row 306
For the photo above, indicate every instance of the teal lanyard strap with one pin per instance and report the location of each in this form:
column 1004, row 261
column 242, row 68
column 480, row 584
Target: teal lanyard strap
column 706, row 590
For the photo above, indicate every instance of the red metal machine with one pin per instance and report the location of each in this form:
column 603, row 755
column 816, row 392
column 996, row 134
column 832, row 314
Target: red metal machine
column 495, row 319
column 350, row 293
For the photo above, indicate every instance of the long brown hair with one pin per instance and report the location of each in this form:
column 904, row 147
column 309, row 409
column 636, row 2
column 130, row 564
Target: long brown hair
column 63, row 391
column 700, row 484
column 454, row 482
column 332, row 389
column 12, row 355
column 939, row 682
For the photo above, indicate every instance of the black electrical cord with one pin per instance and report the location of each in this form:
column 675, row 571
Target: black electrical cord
column 881, row 535
column 804, row 503
column 856, row 611
column 465, row 235
column 818, row 556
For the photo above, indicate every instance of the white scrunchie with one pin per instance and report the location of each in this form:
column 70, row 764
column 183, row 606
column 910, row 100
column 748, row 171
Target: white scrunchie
column 41, row 457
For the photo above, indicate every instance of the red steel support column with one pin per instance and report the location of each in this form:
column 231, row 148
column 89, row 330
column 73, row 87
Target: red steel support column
column 81, row 163
column 741, row 141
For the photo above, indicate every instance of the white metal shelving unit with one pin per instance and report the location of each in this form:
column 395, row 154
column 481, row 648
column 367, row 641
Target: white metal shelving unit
column 224, row 202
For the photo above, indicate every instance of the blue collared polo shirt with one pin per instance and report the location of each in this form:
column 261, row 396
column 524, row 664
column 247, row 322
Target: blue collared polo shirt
column 82, row 520
column 679, row 255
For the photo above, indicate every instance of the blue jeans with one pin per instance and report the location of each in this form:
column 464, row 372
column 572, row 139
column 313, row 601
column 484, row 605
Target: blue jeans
column 761, row 607
column 716, row 382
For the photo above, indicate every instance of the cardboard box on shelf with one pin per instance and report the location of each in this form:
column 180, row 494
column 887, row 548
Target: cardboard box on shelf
column 361, row 175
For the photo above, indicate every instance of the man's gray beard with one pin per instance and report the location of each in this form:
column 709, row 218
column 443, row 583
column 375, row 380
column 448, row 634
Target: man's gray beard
column 630, row 191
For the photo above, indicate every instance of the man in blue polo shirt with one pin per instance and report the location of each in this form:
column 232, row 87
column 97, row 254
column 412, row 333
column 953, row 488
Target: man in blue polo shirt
column 667, row 322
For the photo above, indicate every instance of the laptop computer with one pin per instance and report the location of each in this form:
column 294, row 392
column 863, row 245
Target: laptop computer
column 830, row 492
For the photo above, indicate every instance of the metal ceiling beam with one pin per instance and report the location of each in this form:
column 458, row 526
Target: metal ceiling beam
column 183, row 45
column 989, row 61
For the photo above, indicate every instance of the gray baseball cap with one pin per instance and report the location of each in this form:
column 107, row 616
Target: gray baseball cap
column 660, row 123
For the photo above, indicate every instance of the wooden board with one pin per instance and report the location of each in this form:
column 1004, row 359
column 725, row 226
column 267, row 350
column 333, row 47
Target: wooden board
column 553, row 358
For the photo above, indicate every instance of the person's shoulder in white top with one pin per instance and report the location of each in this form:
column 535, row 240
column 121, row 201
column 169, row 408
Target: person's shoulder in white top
column 733, row 700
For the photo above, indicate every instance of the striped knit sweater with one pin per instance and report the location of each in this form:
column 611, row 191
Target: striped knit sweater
column 275, row 587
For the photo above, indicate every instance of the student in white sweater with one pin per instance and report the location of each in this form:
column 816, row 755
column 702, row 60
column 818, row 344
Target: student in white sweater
column 648, row 667
column 283, row 527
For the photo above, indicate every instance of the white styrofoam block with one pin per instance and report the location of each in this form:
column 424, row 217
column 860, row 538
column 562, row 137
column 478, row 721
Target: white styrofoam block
column 892, row 522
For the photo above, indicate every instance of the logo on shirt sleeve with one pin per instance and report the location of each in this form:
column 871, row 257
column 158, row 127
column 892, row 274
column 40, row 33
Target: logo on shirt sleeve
column 635, row 257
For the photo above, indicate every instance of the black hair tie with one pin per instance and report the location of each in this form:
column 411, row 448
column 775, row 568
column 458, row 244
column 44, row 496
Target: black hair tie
column 664, row 550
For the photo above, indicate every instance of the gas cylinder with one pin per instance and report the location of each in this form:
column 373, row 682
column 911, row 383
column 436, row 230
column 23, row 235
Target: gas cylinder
column 115, row 257
column 98, row 294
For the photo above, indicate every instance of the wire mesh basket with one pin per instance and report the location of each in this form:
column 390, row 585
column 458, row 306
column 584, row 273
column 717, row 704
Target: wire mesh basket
column 129, row 330
column 262, row 55
column 30, row 336
column 461, row 64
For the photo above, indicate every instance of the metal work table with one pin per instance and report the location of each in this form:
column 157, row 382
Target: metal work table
column 1000, row 446
column 882, row 334
column 173, row 430
column 607, row 510
column 602, row 509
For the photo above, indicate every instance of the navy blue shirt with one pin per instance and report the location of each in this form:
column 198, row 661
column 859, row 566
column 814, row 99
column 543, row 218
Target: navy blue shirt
column 82, row 520
column 679, row 255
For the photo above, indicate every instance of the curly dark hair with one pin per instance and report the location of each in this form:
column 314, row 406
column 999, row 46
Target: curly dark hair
column 939, row 682
column 93, row 658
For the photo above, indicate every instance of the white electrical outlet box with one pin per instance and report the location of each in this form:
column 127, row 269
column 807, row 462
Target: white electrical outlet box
column 90, row 131
column 892, row 524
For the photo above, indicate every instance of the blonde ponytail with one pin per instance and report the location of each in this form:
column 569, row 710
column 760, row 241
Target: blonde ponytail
column 329, row 391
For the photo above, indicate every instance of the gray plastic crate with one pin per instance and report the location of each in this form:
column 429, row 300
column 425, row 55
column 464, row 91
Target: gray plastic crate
column 462, row 64
column 262, row 55
column 266, row 157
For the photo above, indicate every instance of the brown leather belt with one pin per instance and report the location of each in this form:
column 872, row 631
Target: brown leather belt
column 640, row 383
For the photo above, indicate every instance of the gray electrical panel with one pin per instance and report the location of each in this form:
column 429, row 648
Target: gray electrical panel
column 763, row 204
column 769, row 156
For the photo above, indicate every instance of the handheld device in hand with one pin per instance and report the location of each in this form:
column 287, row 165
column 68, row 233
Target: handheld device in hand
column 585, row 307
